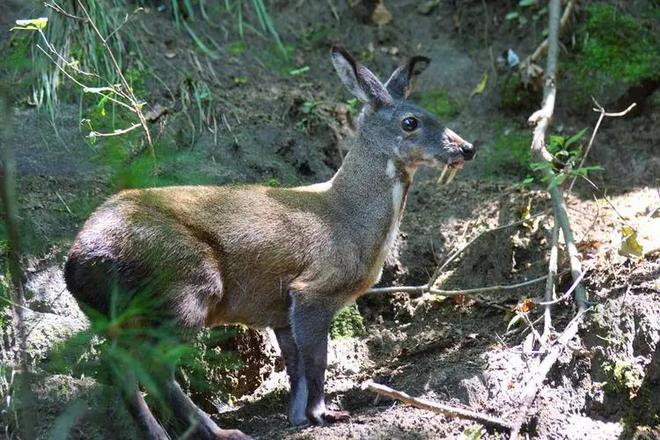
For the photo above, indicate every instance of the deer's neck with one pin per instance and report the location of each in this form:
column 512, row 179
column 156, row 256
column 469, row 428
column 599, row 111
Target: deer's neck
column 369, row 194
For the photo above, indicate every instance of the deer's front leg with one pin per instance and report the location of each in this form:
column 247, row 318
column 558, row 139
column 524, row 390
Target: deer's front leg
column 310, row 319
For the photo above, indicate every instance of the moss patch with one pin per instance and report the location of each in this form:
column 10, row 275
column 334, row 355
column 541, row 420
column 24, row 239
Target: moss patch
column 347, row 324
column 440, row 103
column 509, row 154
column 615, row 49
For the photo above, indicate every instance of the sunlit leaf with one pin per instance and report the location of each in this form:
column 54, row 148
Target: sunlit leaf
column 481, row 87
column 32, row 24
column 576, row 137
column 629, row 243
column 517, row 318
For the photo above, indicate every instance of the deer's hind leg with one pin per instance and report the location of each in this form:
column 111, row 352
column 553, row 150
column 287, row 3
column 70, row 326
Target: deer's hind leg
column 139, row 410
column 200, row 424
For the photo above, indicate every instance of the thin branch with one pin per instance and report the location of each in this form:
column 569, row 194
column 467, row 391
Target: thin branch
column 541, row 119
column 137, row 106
column 426, row 289
column 566, row 295
column 86, row 89
column 599, row 108
column 57, row 8
column 117, row 132
column 438, row 408
column 543, row 47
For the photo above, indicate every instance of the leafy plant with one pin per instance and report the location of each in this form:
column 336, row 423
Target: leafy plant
column 624, row 377
column 568, row 151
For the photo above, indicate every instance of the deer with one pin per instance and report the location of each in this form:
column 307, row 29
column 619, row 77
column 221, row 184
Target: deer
column 282, row 258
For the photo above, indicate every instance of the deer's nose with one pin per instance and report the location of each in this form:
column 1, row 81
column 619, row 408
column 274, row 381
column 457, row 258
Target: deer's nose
column 468, row 150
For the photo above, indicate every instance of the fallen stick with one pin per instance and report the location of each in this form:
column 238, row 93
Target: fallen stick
column 438, row 408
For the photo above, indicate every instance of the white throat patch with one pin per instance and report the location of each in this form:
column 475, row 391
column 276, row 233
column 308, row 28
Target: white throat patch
column 397, row 205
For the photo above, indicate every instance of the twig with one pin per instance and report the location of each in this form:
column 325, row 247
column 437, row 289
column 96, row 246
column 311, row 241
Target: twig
column 137, row 105
column 425, row 288
column 543, row 47
column 117, row 132
column 599, row 108
column 532, row 388
column 536, row 334
column 567, row 294
column 64, row 203
column 57, row 8
column 550, row 282
column 437, row 408
column 541, row 120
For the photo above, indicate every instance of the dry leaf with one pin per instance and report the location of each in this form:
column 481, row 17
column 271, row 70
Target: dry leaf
column 526, row 306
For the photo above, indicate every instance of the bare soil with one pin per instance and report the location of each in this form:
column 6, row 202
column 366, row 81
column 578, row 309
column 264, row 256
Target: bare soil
column 453, row 350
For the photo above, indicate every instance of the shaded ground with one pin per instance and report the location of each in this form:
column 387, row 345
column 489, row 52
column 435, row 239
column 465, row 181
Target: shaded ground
column 262, row 124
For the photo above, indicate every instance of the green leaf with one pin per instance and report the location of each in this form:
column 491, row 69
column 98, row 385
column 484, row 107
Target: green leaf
column 525, row 3
column 576, row 137
column 512, row 15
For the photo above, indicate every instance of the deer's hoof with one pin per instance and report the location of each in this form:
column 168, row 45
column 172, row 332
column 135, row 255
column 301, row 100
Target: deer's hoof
column 329, row 416
column 336, row 416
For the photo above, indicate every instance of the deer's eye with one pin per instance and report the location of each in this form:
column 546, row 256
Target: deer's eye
column 409, row 124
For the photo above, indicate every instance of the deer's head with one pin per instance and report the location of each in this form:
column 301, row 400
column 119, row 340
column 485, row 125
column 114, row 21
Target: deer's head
column 388, row 122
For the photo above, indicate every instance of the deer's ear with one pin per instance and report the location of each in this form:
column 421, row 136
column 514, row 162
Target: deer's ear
column 402, row 82
column 358, row 79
